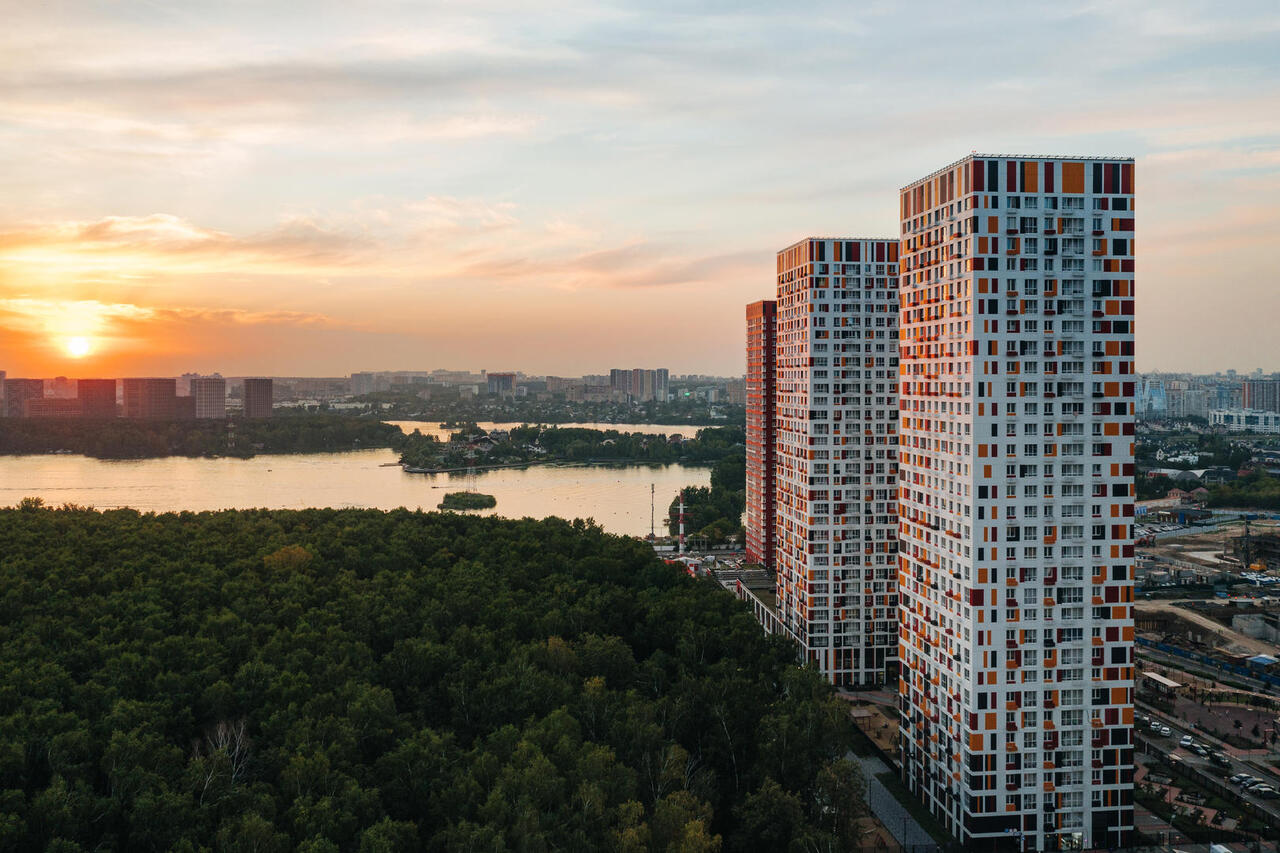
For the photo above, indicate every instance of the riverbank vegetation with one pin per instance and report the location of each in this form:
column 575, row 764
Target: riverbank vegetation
column 468, row 500
column 352, row 680
column 714, row 514
column 446, row 405
column 126, row 438
column 471, row 446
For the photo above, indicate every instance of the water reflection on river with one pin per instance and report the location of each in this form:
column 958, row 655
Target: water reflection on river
column 616, row 497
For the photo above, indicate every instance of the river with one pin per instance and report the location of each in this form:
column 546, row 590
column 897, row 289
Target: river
column 616, row 497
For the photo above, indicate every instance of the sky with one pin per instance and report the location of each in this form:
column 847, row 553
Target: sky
column 557, row 187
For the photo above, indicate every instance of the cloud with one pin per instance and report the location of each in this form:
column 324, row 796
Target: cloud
column 155, row 245
column 437, row 168
column 455, row 214
column 638, row 265
column 90, row 317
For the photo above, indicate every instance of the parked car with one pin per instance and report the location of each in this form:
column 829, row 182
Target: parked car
column 1165, row 731
column 1266, row 792
column 1187, row 740
column 1250, row 784
column 1238, row 778
column 1200, row 750
column 1220, row 759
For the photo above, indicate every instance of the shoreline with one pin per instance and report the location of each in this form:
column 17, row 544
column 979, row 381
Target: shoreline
column 409, row 469
column 8, row 454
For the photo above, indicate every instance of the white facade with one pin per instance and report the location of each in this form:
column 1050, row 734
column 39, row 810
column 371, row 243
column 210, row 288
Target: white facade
column 836, row 454
column 1245, row 420
column 1016, row 500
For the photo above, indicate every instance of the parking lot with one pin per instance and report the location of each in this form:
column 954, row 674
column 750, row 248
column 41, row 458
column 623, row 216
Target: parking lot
column 1223, row 768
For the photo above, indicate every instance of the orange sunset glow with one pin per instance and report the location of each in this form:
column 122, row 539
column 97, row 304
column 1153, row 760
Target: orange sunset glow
column 434, row 188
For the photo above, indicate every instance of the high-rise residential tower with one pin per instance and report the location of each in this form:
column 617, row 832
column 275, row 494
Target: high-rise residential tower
column 97, row 397
column 150, row 398
column 210, row 393
column 1262, row 394
column 836, row 454
column 1016, row 500
column 16, row 394
column 257, row 398
column 762, row 328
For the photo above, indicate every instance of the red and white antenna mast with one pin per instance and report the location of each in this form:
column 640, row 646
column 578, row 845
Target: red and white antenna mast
column 680, row 517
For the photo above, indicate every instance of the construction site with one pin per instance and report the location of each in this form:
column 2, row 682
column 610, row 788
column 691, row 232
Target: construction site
column 1243, row 553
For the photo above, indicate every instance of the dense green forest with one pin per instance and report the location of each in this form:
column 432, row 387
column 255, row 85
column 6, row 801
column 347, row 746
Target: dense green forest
column 539, row 443
column 1257, row 490
column 352, row 680
column 126, row 438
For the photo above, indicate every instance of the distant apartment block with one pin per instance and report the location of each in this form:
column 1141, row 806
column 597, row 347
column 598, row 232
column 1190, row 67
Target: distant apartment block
column 184, row 407
column 363, row 383
column 762, row 327
column 583, row 393
column 16, row 394
column 60, row 387
column 561, row 384
column 641, row 385
column 210, row 395
column 501, row 384
column 257, row 398
column 1246, row 420
column 150, row 399
column 97, row 398
column 51, row 407
column 1261, row 395
column 1186, row 402
column 1016, row 500
column 836, row 454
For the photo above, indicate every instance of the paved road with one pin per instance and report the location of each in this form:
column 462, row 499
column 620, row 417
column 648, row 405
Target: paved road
column 886, row 807
column 1206, row 766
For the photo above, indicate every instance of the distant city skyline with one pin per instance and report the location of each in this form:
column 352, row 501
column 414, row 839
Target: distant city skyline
column 244, row 189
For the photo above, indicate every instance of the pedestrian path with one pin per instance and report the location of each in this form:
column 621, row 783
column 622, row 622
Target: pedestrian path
column 901, row 825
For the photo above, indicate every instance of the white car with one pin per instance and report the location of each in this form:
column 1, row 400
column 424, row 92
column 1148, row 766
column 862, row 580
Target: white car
column 1165, row 731
column 1187, row 740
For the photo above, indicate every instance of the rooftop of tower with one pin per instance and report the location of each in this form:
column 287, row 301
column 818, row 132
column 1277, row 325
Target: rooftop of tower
column 976, row 155
column 843, row 240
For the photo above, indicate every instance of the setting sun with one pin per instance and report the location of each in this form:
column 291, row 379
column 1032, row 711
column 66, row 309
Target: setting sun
column 78, row 347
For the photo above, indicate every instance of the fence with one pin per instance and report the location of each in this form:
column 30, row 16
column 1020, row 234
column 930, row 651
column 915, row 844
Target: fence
column 1208, row 660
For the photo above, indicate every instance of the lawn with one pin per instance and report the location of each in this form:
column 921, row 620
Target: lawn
column 917, row 810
